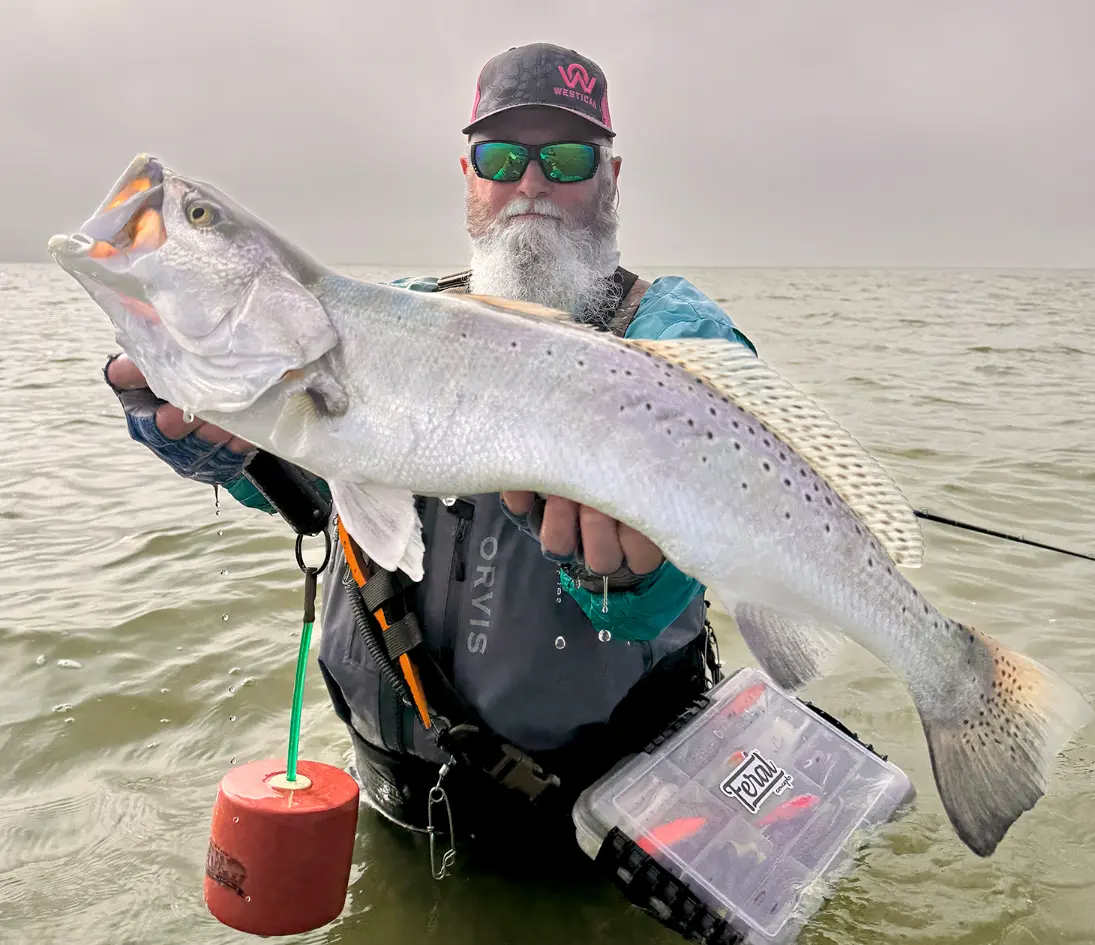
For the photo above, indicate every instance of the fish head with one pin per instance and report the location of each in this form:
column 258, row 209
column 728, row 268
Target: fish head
column 208, row 301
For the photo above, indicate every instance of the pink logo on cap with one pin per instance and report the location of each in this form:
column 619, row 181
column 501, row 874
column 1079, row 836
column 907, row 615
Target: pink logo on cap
column 575, row 74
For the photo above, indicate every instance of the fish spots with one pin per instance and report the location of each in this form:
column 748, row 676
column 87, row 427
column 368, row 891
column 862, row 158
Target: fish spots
column 711, row 436
column 581, row 363
column 513, row 344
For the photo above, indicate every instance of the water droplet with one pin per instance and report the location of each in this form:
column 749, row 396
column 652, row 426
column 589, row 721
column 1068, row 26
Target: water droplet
column 164, row 721
column 235, row 820
column 246, row 898
column 70, row 664
column 560, row 643
column 604, row 636
column 188, row 416
column 224, row 617
column 165, row 690
column 233, row 671
column 231, row 718
column 231, row 688
column 224, row 571
column 41, row 661
column 232, row 761
column 220, row 531
column 63, row 707
column 448, row 501
column 69, row 720
column 178, row 648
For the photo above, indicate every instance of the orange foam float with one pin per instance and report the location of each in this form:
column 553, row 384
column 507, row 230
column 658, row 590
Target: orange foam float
column 280, row 851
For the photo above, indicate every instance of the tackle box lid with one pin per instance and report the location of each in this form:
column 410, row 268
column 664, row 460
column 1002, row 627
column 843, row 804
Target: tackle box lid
column 754, row 802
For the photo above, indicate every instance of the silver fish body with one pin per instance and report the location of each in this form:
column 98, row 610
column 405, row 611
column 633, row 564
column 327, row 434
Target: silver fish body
column 737, row 477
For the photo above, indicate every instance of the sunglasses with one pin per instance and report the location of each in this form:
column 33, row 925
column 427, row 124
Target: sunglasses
column 564, row 162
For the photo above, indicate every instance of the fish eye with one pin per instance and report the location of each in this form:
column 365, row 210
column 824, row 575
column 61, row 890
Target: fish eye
column 200, row 214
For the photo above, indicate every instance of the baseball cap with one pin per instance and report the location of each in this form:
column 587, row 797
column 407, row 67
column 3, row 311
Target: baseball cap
column 542, row 74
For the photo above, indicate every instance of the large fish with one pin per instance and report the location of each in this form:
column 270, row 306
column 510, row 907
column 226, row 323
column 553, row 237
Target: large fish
column 740, row 479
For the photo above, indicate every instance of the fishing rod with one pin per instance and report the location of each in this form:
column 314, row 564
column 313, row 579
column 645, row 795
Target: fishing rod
column 925, row 514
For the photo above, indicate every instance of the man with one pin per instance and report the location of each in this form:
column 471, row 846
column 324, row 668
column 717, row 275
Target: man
column 564, row 635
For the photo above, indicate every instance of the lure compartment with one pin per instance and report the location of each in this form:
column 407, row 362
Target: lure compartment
column 733, row 825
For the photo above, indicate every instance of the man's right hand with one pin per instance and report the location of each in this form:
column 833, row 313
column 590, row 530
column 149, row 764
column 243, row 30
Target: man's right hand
column 195, row 450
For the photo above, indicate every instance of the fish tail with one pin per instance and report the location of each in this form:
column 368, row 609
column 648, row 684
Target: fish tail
column 992, row 749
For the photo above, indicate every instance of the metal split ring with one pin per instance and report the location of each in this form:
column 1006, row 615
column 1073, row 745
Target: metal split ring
column 326, row 552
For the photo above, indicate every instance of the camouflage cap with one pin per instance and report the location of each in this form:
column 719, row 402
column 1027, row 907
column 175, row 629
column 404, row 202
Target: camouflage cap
column 546, row 75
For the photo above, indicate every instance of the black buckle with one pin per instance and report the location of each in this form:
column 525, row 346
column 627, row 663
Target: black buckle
column 518, row 771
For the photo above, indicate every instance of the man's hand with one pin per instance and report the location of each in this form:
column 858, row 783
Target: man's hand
column 606, row 543
column 124, row 374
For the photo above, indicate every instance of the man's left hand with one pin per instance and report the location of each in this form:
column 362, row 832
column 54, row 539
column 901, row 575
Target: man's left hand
column 607, row 544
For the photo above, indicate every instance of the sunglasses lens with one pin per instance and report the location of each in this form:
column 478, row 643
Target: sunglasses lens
column 497, row 160
column 569, row 162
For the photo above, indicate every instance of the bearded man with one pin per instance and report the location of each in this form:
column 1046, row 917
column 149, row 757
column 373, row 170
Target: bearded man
column 558, row 639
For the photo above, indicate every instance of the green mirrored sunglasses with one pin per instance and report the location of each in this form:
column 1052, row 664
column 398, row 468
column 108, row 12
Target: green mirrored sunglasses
column 564, row 162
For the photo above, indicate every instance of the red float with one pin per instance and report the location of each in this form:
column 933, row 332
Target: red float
column 280, row 852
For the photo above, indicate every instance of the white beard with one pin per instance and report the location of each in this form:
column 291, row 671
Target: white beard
column 557, row 262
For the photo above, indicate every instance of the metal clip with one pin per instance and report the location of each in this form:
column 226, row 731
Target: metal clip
column 438, row 796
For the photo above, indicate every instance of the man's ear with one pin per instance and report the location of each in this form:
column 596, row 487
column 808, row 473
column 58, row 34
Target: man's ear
column 464, row 164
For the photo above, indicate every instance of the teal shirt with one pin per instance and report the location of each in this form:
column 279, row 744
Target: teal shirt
column 671, row 308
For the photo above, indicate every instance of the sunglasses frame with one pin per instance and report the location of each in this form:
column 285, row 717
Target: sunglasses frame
column 535, row 154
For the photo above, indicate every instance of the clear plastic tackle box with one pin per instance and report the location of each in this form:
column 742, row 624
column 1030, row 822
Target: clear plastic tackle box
column 753, row 803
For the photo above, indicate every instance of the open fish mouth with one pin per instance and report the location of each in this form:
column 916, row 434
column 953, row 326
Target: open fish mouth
column 127, row 225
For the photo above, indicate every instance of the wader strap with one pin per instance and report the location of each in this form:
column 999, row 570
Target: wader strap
column 633, row 292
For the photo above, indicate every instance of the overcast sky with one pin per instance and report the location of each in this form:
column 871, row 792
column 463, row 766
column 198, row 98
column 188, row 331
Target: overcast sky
column 771, row 132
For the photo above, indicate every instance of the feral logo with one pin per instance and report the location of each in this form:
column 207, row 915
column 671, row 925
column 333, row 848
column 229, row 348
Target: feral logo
column 575, row 74
column 753, row 780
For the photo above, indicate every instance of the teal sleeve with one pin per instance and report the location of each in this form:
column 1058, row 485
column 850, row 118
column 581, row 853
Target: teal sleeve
column 671, row 308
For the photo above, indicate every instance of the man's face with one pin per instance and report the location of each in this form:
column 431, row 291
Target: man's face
column 535, row 238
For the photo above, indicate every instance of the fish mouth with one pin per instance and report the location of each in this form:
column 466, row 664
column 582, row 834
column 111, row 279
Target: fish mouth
column 127, row 225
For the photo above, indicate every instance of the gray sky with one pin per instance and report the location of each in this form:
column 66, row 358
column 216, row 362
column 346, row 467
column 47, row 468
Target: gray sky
column 774, row 132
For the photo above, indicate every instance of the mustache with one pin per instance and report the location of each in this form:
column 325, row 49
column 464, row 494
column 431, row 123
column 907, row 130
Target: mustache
column 542, row 206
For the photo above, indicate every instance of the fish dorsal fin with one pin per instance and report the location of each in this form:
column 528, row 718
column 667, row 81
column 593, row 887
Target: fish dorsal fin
column 521, row 308
column 839, row 459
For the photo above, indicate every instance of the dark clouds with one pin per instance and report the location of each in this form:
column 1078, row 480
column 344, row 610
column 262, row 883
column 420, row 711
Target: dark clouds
column 762, row 133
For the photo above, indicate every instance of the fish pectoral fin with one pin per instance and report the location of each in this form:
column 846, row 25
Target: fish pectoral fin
column 731, row 370
column 993, row 744
column 300, row 413
column 791, row 650
column 384, row 522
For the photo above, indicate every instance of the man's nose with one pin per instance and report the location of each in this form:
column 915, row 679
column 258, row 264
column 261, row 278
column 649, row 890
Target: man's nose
column 533, row 184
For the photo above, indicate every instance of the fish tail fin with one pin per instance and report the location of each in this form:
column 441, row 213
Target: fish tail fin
column 993, row 747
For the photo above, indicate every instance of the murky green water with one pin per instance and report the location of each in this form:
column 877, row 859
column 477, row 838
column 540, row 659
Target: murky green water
column 148, row 643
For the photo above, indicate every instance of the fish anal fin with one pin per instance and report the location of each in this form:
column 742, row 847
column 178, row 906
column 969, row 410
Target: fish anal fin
column 792, row 651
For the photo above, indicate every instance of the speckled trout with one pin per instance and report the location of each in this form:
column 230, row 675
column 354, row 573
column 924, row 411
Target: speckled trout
column 740, row 479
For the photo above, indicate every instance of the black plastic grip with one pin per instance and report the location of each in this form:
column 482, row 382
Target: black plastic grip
column 289, row 490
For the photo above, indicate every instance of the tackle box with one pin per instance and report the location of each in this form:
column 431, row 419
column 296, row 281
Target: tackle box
column 732, row 826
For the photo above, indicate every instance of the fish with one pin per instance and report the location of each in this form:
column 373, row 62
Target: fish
column 741, row 479
column 789, row 810
column 666, row 835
